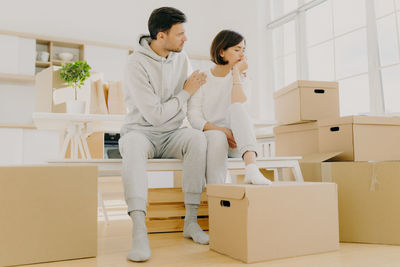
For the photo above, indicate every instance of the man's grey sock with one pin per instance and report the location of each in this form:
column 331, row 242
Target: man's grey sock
column 192, row 229
column 140, row 243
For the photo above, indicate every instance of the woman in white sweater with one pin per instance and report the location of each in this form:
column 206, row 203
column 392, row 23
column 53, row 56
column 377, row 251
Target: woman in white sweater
column 217, row 109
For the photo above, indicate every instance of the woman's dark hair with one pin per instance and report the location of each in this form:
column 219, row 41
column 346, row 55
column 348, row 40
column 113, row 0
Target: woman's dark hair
column 163, row 18
column 224, row 40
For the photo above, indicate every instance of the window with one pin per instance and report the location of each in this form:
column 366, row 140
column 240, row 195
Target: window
column 356, row 43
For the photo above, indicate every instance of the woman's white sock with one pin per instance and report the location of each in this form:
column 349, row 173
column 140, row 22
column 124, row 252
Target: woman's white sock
column 254, row 176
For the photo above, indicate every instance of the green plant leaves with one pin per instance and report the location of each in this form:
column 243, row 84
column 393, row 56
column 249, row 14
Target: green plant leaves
column 75, row 74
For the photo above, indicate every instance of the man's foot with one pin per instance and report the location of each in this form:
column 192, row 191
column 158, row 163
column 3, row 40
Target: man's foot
column 254, row 176
column 140, row 244
column 192, row 229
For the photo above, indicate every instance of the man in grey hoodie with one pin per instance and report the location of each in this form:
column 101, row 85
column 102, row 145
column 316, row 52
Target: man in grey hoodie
column 157, row 85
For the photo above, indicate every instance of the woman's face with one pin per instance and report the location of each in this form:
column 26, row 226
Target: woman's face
column 234, row 54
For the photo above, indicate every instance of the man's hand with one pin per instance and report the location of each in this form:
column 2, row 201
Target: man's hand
column 231, row 139
column 194, row 82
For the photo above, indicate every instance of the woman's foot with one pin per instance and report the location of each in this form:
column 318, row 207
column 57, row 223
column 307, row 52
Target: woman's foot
column 254, row 176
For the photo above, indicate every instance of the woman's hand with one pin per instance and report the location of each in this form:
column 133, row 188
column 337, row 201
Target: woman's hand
column 241, row 65
column 231, row 139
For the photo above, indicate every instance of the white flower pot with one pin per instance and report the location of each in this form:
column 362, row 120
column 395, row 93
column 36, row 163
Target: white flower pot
column 76, row 106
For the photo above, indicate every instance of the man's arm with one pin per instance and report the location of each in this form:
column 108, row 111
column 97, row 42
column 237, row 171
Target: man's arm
column 149, row 104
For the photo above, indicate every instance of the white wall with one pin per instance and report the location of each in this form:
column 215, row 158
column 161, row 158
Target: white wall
column 121, row 21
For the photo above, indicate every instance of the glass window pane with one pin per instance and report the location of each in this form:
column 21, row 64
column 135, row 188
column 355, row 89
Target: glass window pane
column 289, row 38
column 398, row 26
column 321, row 65
column 319, row 23
column 276, row 9
column 383, row 7
column 279, row 73
column 387, row 40
column 348, row 15
column 391, row 88
column 290, row 68
column 351, row 54
column 354, row 95
column 289, row 5
column 277, row 35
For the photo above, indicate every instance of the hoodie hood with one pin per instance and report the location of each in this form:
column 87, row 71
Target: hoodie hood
column 145, row 49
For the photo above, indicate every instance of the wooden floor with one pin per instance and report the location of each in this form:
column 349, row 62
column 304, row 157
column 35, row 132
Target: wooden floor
column 171, row 249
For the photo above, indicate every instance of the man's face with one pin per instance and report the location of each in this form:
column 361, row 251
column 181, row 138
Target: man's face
column 175, row 38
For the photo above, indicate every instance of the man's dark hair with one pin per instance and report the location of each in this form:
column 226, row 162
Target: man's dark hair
column 224, row 40
column 163, row 18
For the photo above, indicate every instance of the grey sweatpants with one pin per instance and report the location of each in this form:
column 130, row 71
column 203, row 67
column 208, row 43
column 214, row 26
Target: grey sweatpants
column 218, row 149
column 138, row 146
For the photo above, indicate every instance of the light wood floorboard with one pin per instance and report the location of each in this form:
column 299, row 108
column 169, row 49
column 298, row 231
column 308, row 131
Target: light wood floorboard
column 171, row 249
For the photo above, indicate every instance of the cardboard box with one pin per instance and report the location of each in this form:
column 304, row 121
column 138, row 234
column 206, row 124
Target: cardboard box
column 368, row 194
column 369, row 197
column 47, row 213
column 361, row 138
column 255, row 223
column 306, row 101
column 296, row 140
column 310, row 166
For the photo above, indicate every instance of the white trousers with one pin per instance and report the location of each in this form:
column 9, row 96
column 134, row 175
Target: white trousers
column 218, row 149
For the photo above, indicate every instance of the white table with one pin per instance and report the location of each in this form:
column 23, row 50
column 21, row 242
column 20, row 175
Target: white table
column 77, row 127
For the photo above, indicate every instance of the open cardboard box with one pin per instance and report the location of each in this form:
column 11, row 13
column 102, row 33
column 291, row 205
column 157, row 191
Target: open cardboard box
column 255, row 222
column 368, row 195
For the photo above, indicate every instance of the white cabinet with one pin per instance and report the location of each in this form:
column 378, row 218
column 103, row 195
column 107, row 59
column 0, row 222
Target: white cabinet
column 40, row 146
column 17, row 55
column 108, row 60
column 8, row 54
column 26, row 56
column 27, row 146
column 16, row 103
column 11, row 150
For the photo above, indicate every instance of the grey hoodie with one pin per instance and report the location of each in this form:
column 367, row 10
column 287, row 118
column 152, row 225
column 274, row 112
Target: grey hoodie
column 153, row 90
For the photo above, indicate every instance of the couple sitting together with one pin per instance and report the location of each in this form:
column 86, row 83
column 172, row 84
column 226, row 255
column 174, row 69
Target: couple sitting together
column 158, row 85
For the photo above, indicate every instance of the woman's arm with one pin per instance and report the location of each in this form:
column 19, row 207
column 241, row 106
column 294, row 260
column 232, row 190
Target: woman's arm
column 228, row 132
column 194, row 112
column 238, row 95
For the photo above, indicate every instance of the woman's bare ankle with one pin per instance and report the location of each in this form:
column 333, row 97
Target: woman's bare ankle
column 249, row 157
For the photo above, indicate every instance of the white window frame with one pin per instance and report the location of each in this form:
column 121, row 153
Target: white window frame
column 299, row 17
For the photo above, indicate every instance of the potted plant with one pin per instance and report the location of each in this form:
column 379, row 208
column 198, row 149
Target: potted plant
column 75, row 74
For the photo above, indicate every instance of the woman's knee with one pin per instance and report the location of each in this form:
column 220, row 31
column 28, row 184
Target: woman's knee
column 236, row 107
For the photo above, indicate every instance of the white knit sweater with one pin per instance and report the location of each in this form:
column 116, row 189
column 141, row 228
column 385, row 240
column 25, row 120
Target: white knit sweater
column 211, row 102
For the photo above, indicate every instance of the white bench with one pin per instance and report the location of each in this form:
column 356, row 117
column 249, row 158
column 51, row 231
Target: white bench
column 112, row 167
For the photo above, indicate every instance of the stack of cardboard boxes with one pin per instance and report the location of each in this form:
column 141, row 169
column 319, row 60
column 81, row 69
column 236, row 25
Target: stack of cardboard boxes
column 359, row 153
column 297, row 109
column 285, row 219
